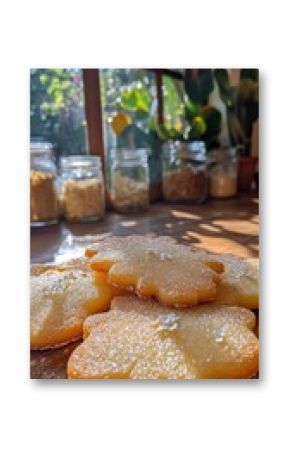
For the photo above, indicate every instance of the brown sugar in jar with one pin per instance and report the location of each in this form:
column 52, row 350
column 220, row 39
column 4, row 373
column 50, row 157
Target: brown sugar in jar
column 223, row 173
column 82, row 192
column 44, row 207
column 83, row 199
column 185, row 184
column 184, row 177
column 43, row 197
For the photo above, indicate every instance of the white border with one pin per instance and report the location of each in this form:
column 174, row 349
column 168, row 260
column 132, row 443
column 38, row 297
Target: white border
column 129, row 33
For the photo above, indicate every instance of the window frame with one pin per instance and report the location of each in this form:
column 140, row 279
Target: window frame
column 93, row 106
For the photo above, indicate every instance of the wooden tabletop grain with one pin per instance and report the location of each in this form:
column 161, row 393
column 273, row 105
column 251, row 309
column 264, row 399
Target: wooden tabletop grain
column 230, row 226
column 218, row 225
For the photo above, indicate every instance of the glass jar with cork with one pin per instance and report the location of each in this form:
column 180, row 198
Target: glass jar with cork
column 44, row 206
column 82, row 188
column 184, row 177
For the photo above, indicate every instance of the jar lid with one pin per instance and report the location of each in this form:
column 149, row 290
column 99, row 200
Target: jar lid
column 130, row 154
column 197, row 146
column 224, row 154
column 38, row 143
column 75, row 162
column 192, row 152
column 40, row 148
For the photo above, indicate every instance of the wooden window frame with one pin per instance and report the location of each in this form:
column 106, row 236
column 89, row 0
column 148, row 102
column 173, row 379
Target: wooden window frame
column 93, row 106
column 93, row 110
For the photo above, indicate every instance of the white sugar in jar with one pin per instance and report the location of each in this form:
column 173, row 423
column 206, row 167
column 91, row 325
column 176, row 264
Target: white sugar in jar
column 223, row 173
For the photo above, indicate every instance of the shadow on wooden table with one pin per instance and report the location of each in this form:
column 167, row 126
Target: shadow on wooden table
column 218, row 226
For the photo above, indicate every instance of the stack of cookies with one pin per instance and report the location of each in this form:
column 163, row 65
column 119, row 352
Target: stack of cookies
column 149, row 308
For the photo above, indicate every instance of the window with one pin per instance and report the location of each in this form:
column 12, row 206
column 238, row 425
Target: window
column 173, row 100
column 57, row 109
column 128, row 97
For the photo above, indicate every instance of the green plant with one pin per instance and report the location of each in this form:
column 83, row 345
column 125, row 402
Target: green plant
column 191, row 117
column 57, row 109
column 188, row 116
column 202, row 120
column 242, row 104
column 173, row 106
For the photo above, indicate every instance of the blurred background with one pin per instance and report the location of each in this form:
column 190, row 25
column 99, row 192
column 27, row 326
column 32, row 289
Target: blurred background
column 165, row 151
column 92, row 111
column 124, row 138
column 143, row 107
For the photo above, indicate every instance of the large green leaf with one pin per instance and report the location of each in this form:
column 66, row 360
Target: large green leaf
column 144, row 99
column 198, row 84
column 128, row 100
column 191, row 110
column 198, row 128
column 173, row 101
column 213, row 120
column 135, row 99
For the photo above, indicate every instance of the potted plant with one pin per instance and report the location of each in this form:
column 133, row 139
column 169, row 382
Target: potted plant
column 242, row 106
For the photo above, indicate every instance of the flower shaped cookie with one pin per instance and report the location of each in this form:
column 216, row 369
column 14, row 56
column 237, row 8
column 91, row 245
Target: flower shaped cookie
column 60, row 302
column 140, row 339
column 157, row 267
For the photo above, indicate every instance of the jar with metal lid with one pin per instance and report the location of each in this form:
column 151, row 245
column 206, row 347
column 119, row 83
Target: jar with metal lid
column 130, row 180
column 82, row 188
column 223, row 172
column 44, row 208
column 184, row 171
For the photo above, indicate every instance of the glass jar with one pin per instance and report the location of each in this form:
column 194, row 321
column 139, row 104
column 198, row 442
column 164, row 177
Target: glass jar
column 184, row 177
column 130, row 180
column 223, row 172
column 82, row 188
column 44, row 208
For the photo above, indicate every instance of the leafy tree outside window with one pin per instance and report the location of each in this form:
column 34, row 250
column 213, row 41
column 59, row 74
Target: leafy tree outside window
column 57, row 109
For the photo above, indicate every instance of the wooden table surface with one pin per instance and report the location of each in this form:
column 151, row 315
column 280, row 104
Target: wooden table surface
column 220, row 226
